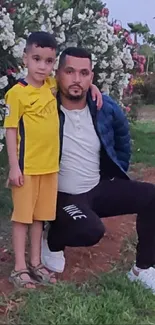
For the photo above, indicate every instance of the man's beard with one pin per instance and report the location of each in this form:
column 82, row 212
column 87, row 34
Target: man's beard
column 75, row 97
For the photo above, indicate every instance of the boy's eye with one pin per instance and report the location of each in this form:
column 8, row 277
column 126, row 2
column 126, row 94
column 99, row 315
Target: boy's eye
column 36, row 59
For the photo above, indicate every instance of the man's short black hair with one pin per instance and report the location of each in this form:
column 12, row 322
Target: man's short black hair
column 77, row 52
column 41, row 39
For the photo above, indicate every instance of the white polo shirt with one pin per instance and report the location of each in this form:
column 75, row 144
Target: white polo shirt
column 80, row 161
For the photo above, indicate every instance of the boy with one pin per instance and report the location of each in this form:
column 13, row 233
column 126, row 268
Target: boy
column 32, row 136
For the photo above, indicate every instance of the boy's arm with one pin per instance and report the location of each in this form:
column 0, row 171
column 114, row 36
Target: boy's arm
column 15, row 175
column 96, row 95
column 12, row 116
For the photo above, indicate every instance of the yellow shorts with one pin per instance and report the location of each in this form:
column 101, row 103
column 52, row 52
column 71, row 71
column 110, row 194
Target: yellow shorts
column 36, row 199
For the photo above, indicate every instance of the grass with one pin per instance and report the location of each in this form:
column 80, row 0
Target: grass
column 110, row 299
column 5, row 199
column 143, row 136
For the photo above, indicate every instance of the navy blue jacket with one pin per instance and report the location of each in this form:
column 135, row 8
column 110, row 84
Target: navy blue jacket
column 112, row 128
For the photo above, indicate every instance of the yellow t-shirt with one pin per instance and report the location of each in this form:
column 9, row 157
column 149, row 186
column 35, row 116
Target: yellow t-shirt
column 34, row 112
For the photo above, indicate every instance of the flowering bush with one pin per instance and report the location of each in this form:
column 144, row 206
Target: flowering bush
column 140, row 61
column 110, row 48
column 144, row 86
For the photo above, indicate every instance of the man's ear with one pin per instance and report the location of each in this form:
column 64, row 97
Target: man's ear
column 92, row 77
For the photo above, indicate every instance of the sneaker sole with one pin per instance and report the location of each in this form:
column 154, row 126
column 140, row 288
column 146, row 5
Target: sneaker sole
column 53, row 268
column 144, row 285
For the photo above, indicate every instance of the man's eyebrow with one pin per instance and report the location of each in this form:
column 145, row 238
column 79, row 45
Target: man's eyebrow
column 71, row 68
column 84, row 69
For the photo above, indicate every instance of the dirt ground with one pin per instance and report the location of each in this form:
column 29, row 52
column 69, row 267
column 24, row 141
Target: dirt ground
column 147, row 114
column 82, row 263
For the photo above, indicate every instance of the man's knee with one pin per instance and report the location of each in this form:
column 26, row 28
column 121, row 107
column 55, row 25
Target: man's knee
column 94, row 235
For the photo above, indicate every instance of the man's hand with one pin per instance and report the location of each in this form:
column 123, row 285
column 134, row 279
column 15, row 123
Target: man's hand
column 15, row 178
column 96, row 95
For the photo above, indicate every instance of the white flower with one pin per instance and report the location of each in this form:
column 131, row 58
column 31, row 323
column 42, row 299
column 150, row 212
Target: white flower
column 101, row 49
column 67, row 15
column 3, row 82
column 1, row 146
column 105, row 89
column 94, row 60
column 43, row 28
column 116, row 63
column 110, row 39
column 127, row 58
column 18, row 49
column 22, row 74
column 2, row 133
column 7, row 35
column 32, row 12
column 104, row 64
column 110, row 29
column 39, row 2
column 58, row 21
column 82, row 16
column 91, row 12
column 47, row 2
column 102, row 76
column 26, row 33
column 61, row 38
column 41, row 19
column 2, row 102
column 3, row 9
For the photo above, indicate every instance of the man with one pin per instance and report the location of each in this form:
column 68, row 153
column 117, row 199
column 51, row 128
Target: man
column 93, row 184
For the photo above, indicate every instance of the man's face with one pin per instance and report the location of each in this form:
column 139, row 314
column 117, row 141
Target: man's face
column 75, row 77
column 40, row 62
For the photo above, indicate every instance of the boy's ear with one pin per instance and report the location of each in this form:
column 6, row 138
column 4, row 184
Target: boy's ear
column 25, row 59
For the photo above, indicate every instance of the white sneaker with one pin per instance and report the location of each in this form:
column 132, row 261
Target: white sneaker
column 54, row 261
column 146, row 277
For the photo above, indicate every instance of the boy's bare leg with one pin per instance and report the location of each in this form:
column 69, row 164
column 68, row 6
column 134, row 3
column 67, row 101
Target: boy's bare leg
column 19, row 231
column 36, row 230
column 35, row 236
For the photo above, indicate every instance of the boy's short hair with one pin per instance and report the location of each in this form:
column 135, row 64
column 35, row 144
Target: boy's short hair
column 77, row 52
column 41, row 39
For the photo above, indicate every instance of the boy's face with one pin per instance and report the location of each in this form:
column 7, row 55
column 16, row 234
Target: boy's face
column 40, row 62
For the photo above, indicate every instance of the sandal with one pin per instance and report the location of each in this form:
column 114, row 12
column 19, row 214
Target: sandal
column 37, row 273
column 16, row 279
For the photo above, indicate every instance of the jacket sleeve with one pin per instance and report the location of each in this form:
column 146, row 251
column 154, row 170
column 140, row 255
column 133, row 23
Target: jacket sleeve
column 121, row 136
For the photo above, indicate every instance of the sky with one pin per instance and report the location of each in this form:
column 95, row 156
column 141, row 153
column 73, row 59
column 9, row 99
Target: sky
column 133, row 11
